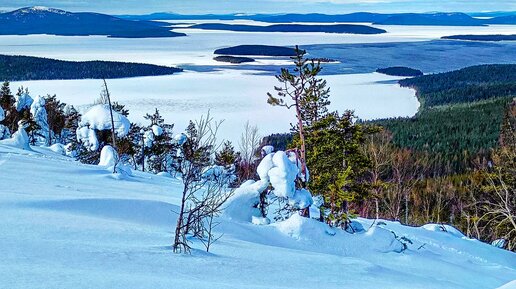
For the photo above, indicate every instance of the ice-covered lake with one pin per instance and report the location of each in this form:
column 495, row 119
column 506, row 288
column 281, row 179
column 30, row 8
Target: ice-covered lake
column 234, row 95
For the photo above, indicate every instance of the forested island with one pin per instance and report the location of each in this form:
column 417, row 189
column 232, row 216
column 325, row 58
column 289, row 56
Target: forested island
column 492, row 37
column 400, row 71
column 259, row 50
column 337, row 28
column 20, row 68
column 233, row 59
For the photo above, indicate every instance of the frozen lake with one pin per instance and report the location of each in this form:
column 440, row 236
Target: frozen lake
column 235, row 96
column 230, row 94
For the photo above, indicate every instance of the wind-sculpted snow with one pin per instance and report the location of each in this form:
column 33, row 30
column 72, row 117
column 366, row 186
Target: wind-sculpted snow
column 70, row 225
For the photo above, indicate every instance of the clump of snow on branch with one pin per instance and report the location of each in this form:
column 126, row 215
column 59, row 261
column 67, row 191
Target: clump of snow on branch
column 88, row 138
column 148, row 139
column 23, row 101
column 98, row 118
column 282, row 175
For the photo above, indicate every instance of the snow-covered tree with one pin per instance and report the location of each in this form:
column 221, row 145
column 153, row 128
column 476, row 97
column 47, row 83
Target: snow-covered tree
column 39, row 114
column 4, row 131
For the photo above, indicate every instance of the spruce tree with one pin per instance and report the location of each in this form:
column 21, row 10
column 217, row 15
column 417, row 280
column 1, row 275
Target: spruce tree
column 337, row 164
column 227, row 156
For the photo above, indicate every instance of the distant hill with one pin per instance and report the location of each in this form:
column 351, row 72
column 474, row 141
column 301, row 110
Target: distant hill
column 20, row 68
column 339, row 28
column 42, row 20
column 432, row 19
column 493, row 37
column 442, row 19
column 359, row 17
column 261, row 50
column 509, row 19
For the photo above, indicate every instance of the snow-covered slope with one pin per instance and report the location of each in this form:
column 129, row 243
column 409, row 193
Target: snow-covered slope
column 68, row 225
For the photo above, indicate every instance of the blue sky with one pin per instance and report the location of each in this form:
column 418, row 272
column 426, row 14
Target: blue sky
column 266, row 6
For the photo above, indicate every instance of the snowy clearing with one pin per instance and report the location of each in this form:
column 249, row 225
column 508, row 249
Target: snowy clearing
column 69, row 225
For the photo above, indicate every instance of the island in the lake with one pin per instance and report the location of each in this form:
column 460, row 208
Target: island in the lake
column 258, row 50
column 21, row 68
column 400, row 71
column 233, row 59
column 337, row 28
column 487, row 37
column 43, row 20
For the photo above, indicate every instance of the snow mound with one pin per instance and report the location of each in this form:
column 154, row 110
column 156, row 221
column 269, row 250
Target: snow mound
column 98, row 117
column 2, row 114
column 383, row 240
column 19, row 139
column 58, row 148
column 302, row 228
column 108, row 156
column 260, row 221
column 242, row 206
column 443, row 228
column 164, row 174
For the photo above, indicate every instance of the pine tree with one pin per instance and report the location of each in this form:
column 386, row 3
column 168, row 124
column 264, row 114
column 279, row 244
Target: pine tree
column 295, row 90
column 55, row 116
column 308, row 96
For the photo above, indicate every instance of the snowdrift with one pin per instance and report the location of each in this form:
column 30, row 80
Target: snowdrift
column 70, row 225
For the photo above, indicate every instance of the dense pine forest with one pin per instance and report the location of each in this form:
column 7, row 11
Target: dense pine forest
column 464, row 85
column 460, row 116
column 19, row 68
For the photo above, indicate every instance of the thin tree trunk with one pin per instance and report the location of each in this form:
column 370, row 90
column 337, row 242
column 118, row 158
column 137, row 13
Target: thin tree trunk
column 111, row 114
column 179, row 225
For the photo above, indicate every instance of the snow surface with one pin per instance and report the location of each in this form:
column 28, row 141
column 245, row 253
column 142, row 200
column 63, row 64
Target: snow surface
column 71, row 225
